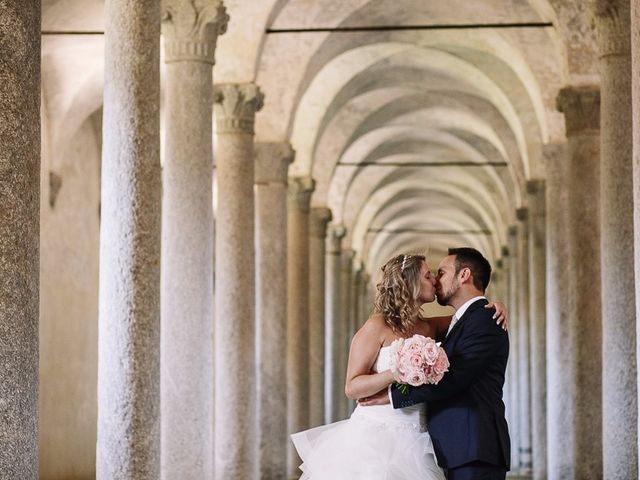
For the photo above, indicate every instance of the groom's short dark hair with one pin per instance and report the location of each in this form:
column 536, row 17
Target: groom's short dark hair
column 467, row 257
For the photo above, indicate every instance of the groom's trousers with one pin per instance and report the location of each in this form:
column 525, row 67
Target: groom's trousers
column 477, row 471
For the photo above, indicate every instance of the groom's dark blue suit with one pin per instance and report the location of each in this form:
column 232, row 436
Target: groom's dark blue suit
column 465, row 412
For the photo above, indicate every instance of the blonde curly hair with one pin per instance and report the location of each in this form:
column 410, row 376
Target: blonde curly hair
column 397, row 296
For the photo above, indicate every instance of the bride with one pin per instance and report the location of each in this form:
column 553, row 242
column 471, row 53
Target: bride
column 378, row 442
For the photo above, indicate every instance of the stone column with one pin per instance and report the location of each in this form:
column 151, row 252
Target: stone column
column 560, row 380
column 619, row 383
column 272, row 164
column 318, row 220
column 581, row 106
column 300, row 190
column 190, row 33
column 524, row 365
column 128, row 444
column 537, row 326
column 635, row 54
column 511, row 267
column 333, row 339
column 364, row 308
column 19, row 237
column 235, row 405
column 346, row 297
column 354, row 316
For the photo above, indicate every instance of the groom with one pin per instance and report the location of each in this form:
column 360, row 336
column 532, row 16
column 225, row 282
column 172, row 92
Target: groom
column 465, row 413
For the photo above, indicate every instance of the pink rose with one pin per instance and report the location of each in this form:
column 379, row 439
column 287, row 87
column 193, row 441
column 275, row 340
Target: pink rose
column 441, row 365
column 430, row 352
column 416, row 359
column 417, row 378
column 404, row 366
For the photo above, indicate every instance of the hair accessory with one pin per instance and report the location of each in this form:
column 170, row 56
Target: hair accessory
column 404, row 262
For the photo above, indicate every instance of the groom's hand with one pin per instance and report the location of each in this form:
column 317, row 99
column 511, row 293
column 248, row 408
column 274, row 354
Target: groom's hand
column 380, row 398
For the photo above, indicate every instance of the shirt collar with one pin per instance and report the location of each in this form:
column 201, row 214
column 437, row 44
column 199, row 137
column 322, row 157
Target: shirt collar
column 463, row 308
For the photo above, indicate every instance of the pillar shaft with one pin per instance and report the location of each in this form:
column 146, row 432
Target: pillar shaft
column 19, row 237
column 560, row 382
column 272, row 163
column 300, row 190
column 511, row 267
column 235, row 377
column 128, row 445
column 620, row 408
column 346, row 326
column 581, row 107
column 635, row 55
column 537, row 326
column 190, row 34
column 319, row 218
column 333, row 334
column 523, row 346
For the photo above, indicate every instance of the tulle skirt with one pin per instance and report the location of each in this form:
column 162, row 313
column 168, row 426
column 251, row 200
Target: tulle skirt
column 363, row 447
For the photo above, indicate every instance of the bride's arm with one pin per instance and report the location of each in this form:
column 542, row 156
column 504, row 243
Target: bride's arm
column 364, row 351
column 501, row 317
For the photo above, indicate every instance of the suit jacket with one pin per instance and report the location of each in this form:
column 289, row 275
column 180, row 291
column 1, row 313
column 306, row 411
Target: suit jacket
column 465, row 412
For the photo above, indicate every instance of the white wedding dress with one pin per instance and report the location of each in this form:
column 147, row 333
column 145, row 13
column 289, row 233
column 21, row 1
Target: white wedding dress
column 376, row 443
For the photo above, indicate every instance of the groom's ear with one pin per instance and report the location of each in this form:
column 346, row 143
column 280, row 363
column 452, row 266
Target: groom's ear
column 465, row 275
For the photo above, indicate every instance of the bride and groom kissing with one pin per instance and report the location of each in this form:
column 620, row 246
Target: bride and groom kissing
column 464, row 434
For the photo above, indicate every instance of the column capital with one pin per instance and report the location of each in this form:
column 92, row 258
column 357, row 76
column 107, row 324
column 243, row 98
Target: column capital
column 320, row 217
column 581, row 108
column 613, row 25
column 535, row 185
column 522, row 214
column 504, row 251
column 300, row 191
column 334, row 240
column 191, row 29
column 272, row 162
column 235, row 106
column 346, row 259
column 512, row 231
column 536, row 193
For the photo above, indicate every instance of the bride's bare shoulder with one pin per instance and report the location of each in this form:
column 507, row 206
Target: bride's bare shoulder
column 375, row 325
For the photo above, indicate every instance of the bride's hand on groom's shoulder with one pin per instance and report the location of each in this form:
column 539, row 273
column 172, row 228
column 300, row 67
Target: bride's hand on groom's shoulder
column 501, row 314
column 380, row 398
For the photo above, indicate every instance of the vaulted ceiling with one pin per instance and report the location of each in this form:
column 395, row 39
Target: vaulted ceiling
column 421, row 121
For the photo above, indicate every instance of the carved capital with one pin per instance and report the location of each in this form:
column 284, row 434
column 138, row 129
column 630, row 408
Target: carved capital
column 299, row 193
column 272, row 162
column 581, row 108
column 318, row 220
column 191, row 29
column 504, row 251
column 522, row 214
column 512, row 231
column 536, row 192
column 235, row 106
column 346, row 260
column 613, row 24
column 535, row 186
column 334, row 239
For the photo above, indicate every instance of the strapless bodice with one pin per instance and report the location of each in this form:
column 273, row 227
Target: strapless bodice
column 410, row 417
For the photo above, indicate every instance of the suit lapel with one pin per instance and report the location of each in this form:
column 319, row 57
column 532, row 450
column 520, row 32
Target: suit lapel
column 474, row 306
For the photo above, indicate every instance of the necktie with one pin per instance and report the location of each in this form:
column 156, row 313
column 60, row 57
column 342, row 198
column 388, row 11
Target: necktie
column 454, row 320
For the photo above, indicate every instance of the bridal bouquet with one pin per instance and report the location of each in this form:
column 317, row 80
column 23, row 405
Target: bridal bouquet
column 417, row 360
